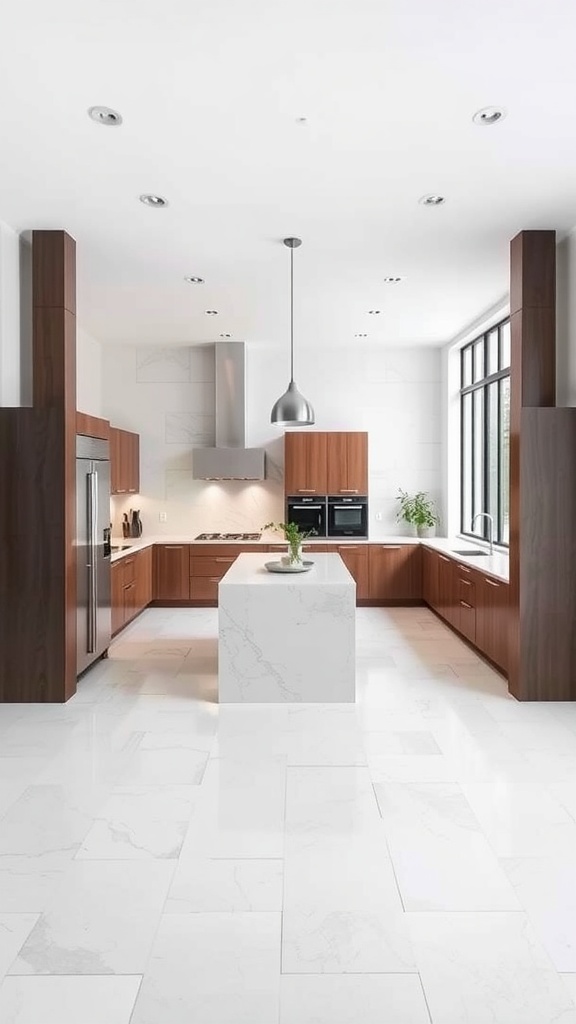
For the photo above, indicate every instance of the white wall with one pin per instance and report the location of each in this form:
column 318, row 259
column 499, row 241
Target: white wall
column 15, row 318
column 88, row 373
column 167, row 396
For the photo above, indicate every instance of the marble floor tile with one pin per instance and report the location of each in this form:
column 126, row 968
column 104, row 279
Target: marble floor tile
column 201, row 886
column 546, row 890
column 14, row 930
column 140, row 823
column 521, row 819
column 487, row 969
column 53, row 1000
column 101, row 919
column 570, row 982
column 215, row 968
column 441, row 858
column 351, row 999
column 346, row 942
column 166, row 765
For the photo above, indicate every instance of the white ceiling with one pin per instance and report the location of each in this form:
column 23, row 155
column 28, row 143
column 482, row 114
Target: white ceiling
column 210, row 94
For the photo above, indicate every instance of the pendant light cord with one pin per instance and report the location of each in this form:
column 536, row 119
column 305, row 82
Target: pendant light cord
column 291, row 316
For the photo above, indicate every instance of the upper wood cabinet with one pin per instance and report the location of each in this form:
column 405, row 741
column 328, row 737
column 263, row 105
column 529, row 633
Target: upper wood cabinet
column 305, row 462
column 171, row 572
column 347, row 462
column 317, row 462
column 124, row 461
column 395, row 572
column 92, row 426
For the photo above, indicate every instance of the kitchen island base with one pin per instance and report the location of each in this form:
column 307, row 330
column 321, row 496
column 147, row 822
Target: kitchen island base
column 284, row 638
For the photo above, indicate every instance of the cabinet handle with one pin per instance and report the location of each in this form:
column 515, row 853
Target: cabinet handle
column 443, row 558
column 131, row 490
column 227, row 560
column 214, row 579
column 120, row 490
column 491, row 582
column 306, row 490
column 348, row 547
column 464, row 569
column 173, row 547
column 465, row 604
column 348, row 490
column 467, row 583
column 391, row 547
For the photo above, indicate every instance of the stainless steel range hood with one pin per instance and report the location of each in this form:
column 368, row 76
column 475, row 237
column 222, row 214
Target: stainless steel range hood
column 230, row 459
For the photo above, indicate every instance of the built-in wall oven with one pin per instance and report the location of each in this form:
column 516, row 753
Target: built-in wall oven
column 308, row 513
column 347, row 517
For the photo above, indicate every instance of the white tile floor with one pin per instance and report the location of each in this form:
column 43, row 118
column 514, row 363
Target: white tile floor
column 407, row 860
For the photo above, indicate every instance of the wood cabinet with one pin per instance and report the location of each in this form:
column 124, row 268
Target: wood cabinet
column 124, row 461
column 430, row 577
column 210, row 562
column 347, row 456
column 395, row 572
column 334, row 462
column 492, row 619
column 355, row 558
column 171, row 572
column 144, row 591
column 130, row 587
column 472, row 602
column 92, row 426
column 305, row 462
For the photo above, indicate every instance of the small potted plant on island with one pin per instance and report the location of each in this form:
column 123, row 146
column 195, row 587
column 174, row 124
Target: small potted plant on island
column 294, row 537
column 419, row 511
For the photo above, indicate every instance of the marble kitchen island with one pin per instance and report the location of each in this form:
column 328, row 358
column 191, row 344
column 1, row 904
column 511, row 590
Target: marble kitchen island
column 286, row 637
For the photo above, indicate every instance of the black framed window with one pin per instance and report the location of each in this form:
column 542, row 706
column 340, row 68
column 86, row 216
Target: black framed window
column 485, row 433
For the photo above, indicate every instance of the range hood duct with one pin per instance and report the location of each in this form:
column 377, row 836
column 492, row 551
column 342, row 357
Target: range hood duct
column 230, row 459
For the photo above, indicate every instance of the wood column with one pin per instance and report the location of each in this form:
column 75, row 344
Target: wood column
column 542, row 639
column 37, row 502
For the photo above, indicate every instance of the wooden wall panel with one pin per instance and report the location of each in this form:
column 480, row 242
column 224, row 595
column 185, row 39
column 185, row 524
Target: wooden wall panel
column 37, row 501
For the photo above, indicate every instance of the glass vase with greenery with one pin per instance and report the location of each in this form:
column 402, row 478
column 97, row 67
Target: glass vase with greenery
column 294, row 537
column 418, row 510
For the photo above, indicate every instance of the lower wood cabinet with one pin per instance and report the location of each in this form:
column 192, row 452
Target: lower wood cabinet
column 395, row 572
column 130, row 587
column 210, row 562
column 472, row 602
column 492, row 619
column 355, row 558
column 171, row 572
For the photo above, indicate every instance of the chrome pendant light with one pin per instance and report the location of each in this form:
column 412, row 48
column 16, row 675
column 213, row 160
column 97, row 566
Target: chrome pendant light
column 292, row 409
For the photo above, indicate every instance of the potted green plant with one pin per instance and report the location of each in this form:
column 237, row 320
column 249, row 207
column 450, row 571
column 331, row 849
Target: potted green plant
column 294, row 537
column 419, row 511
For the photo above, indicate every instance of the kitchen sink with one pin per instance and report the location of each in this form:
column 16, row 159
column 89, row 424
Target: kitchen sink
column 469, row 551
column 120, row 547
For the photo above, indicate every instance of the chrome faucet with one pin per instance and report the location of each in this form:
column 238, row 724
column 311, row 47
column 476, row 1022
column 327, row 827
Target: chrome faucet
column 491, row 532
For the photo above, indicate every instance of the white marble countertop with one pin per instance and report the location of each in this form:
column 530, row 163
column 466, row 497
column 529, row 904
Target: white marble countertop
column 496, row 565
column 248, row 569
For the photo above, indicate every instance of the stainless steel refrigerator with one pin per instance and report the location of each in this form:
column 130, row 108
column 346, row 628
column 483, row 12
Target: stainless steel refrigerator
column 92, row 549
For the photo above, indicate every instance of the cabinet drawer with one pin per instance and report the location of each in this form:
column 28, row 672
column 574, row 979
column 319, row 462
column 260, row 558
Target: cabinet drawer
column 204, row 588
column 467, row 591
column 128, row 569
column 215, row 566
column 467, row 622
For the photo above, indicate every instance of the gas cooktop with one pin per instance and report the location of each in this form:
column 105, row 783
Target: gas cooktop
column 228, row 536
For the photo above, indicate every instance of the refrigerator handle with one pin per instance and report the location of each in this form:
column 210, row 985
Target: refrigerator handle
column 92, row 479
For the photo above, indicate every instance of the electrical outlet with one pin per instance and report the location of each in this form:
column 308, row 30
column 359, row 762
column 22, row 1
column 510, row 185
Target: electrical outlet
column 163, row 517
column 378, row 517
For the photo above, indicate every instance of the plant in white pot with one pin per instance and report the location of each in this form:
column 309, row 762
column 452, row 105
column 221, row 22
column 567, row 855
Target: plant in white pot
column 419, row 511
column 295, row 538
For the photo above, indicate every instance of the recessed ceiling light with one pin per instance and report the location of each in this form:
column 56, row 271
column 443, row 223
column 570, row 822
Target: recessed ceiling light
column 393, row 280
column 105, row 115
column 374, row 312
column 225, row 335
column 360, row 335
column 194, row 280
column 151, row 200
column 489, row 115
column 301, row 120
column 211, row 312
column 433, row 199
